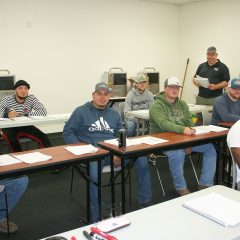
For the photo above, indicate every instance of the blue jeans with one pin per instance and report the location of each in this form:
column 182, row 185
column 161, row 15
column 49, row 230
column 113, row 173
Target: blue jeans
column 144, row 184
column 15, row 188
column 131, row 127
column 176, row 160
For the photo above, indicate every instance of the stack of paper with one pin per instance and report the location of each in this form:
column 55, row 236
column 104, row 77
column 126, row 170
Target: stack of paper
column 8, row 160
column 84, row 149
column 217, row 208
column 212, row 128
column 33, row 157
column 202, row 81
column 135, row 141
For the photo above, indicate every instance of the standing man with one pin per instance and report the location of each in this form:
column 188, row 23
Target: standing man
column 233, row 140
column 217, row 74
column 94, row 122
column 137, row 99
column 15, row 188
column 18, row 105
column 227, row 107
column 170, row 114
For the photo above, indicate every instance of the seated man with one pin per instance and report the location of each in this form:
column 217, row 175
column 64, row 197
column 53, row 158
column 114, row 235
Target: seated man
column 15, row 188
column 138, row 98
column 233, row 140
column 227, row 106
column 170, row 114
column 22, row 104
column 94, row 122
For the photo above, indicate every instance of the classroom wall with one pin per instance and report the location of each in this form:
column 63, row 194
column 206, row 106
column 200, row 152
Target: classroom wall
column 204, row 24
column 63, row 47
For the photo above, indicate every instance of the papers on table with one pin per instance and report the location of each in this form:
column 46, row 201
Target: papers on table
column 8, row 160
column 84, row 149
column 202, row 81
column 33, row 157
column 135, row 141
column 21, row 119
column 209, row 128
column 217, row 208
column 5, row 119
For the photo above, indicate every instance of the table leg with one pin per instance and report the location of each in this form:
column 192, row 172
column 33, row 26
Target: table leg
column 112, row 187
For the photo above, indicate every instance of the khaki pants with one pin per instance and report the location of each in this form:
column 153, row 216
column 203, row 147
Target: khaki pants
column 205, row 101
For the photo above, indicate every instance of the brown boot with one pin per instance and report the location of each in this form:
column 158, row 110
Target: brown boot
column 201, row 187
column 183, row 192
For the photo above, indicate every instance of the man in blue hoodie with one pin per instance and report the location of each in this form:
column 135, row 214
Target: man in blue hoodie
column 94, row 122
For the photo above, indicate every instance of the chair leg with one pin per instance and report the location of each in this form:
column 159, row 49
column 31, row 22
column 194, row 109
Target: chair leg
column 71, row 185
column 6, row 203
column 153, row 161
column 194, row 170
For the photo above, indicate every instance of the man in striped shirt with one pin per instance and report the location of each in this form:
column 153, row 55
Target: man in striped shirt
column 18, row 105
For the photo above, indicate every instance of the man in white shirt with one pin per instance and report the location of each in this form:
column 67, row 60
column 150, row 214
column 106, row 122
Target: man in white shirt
column 233, row 140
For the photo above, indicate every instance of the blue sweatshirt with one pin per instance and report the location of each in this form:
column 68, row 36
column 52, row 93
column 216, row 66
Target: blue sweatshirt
column 91, row 125
column 225, row 110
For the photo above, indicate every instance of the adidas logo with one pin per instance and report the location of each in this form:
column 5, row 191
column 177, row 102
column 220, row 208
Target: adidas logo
column 100, row 125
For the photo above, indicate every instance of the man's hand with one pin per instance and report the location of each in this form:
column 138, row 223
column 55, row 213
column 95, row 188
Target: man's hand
column 212, row 87
column 189, row 131
column 12, row 114
column 116, row 161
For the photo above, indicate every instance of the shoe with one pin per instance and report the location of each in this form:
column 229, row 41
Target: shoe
column 183, row 192
column 144, row 205
column 12, row 227
column 201, row 187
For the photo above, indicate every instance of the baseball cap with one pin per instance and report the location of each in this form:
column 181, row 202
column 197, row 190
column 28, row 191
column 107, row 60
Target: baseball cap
column 211, row 49
column 234, row 83
column 102, row 86
column 21, row 83
column 140, row 77
column 172, row 81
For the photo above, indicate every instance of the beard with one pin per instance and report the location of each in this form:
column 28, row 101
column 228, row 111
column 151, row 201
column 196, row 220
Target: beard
column 21, row 98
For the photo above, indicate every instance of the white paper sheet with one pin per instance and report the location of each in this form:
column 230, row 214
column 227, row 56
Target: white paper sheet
column 84, row 149
column 202, row 81
column 135, row 141
column 33, row 157
column 213, row 128
column 217, row 208
column 8, row 160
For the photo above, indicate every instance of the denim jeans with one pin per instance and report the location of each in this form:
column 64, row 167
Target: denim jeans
column 15, row 188
column 144, row 184
column 176, row 160
column 131, row 127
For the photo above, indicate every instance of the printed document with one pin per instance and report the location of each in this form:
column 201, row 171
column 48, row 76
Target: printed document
column 135, row 141
column 84, row 149
column 32, row 157
column 202, row 81
column 8, row 160
column 217, row 208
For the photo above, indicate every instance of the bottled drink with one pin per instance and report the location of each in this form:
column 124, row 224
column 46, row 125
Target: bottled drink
column 122, row 138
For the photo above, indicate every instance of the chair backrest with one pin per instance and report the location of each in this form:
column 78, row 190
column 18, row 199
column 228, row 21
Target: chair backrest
column 207, row 117
column 234, row 169
column 121, row 110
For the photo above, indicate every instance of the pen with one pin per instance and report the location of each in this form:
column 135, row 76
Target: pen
column 103, row 234
column 87, row 235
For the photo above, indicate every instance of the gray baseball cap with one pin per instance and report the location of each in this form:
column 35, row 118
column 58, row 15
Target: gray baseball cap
column 102, row 86
column 211, row 49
